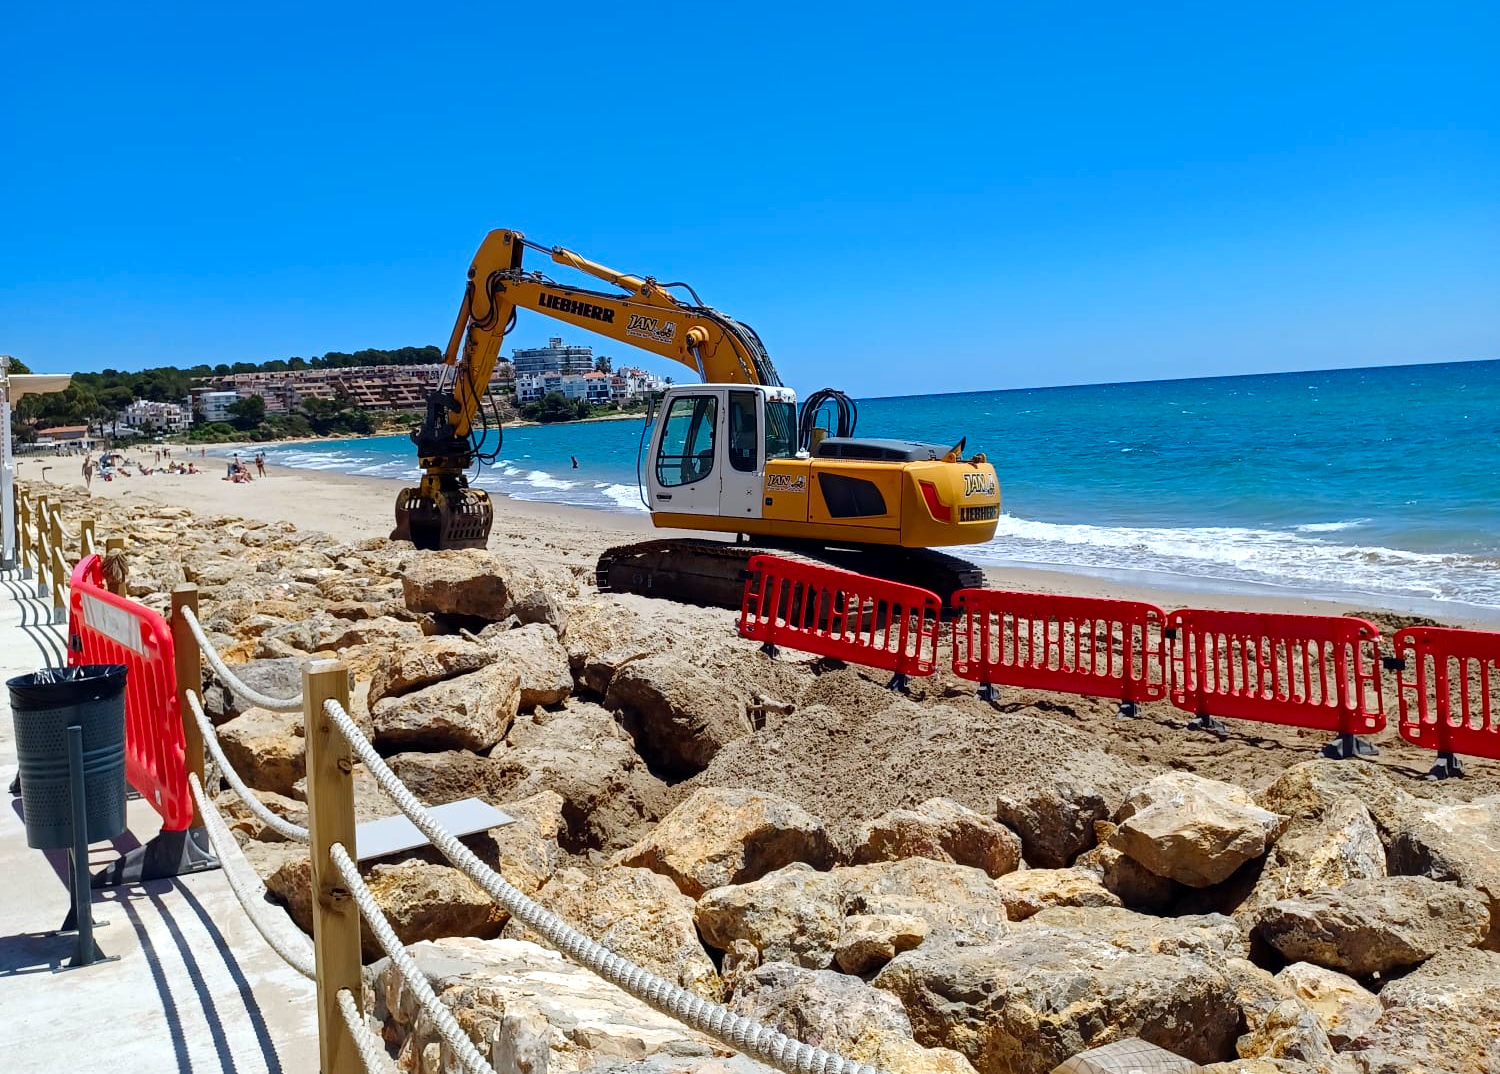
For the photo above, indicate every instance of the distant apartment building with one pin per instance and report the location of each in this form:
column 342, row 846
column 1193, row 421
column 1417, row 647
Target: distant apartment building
column 214, row 405
column 553, row 358
column 378, row 387
column 598, row 388
column 149, row 417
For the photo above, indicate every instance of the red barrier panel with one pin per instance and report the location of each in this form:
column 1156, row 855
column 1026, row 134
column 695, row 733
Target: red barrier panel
column 848, row 616
column 1315, row 671
column 1448, row 685
column 106, row 629
column 1078, row 645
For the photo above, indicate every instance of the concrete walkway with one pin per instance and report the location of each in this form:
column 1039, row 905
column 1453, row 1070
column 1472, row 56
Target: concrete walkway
column 195, row 989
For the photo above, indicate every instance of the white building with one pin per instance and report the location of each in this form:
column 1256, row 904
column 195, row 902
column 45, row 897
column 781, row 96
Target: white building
column 532, row 387
column 553, row 358
column 157, row 417
column 214, row 406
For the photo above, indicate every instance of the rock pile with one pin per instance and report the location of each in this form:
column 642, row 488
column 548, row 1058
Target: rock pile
column 928, row 884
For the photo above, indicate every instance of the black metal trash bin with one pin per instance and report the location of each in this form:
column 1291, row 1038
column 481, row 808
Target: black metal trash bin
column 43, row 706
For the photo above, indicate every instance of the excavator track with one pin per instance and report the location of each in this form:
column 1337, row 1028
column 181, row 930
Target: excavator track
column 711, row 573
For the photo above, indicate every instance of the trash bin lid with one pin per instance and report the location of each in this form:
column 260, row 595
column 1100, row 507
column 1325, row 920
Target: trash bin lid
column 54, row 687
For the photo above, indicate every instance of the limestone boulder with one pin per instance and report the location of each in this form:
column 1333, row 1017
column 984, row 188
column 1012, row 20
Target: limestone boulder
column 1211, row 936
column 370, row 630
column 1344, row 1008
column 678, row 715
column 1032, row 999
column 1135, row 885
column 795, row 914
column 448, row 775
column 1458, row 842
column 1442, row 1018
column 247, row 825
column 608, row 633
column 1288, row 1031
column 1306, row 791
column 637, row 914
column 1374, row 926
column 943, row 830
column 266, row 749
column 842, row 1014
column 424, row 901
column 1055, row 818
column 720, row 836
column 540, row 606
column 610, row 797
column 539, row 659
column 799, row 915
column 1031, row 891
column 274, row 678
column 470, row 712
column 467, row 581
column 527, row 1008
column 425, row 662
column 526, row 851
column 868, row 941
column 1193, row 830
column 1340, row 845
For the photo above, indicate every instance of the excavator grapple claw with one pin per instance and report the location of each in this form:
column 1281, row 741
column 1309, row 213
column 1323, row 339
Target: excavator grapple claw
column 457, row 519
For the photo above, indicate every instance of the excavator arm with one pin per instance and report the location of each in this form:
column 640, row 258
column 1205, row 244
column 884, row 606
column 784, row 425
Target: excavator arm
column 444, row 512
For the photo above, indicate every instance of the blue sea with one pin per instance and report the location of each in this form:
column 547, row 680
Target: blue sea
column 1361, row 482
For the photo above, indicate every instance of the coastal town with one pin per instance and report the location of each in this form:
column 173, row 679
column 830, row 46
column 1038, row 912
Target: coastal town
column 220, row 403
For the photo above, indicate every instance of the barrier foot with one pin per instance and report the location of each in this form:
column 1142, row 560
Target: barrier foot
column 1129, row 710
column 15, row 786
column 1448, row 767
column 1349, row 745
column 1204, row 722
column 898, row 683
column 770, row 650
column 987, row 692
column 169, row 854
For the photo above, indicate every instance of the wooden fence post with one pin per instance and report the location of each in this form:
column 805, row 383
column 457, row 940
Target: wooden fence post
column 114, row 581
column 23, row 535
column 85, row 537
column 188, row 665
column 330, row 811
column 43, row 546
column 58, row 567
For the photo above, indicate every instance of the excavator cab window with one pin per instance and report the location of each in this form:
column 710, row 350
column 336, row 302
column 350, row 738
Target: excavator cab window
column 686, row 454
column 744, row 431
column 781, row 430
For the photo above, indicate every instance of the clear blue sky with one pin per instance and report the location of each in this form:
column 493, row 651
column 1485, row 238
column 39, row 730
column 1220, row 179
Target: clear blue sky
column 899, row 197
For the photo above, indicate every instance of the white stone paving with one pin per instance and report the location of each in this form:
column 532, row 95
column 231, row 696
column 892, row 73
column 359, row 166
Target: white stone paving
column 195, row 989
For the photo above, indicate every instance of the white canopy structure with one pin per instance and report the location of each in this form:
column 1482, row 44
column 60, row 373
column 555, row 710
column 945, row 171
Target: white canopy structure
column 12, row 387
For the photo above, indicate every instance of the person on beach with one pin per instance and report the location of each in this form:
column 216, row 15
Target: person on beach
column 575, row 461
column 260, row 463
column 88, row 472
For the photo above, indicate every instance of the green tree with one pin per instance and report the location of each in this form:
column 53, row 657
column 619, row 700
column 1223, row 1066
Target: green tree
column 18, row 366
column 603, row 364
column 248, row 412
column 557, row 407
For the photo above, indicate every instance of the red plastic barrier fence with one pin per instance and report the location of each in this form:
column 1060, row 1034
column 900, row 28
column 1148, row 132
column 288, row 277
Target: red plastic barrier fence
column 847, row 616
column 1078, row 645
column 1448, row 686
column 106, row 629
column 1314, row 671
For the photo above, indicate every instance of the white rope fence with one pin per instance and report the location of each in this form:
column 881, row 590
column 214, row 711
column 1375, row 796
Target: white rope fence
column 741, row 1033
column 371, row 1051
column 288, row 942
column 447, row 1026
column 296, row 833
column 230, row 679
column 714, row 1019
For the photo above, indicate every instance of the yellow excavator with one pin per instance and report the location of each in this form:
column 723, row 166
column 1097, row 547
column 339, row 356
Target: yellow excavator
column 731, row 455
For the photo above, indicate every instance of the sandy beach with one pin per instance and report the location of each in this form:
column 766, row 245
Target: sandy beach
column 352, row 508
